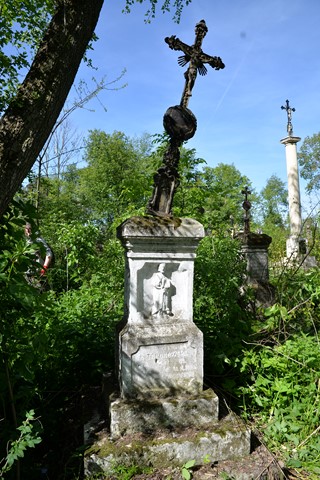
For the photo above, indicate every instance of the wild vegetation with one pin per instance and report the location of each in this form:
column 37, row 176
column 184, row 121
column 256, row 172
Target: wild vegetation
column 55, row 346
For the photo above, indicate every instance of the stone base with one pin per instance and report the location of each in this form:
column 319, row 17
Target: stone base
column 223, row 440
column 173, row 413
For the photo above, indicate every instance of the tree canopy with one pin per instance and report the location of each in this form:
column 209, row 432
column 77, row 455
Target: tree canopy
column 309, row 160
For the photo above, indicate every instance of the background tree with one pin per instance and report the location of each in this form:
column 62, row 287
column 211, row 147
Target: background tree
column 33, row 110
column 223, row 197
column 22, row 27
column 309, row 160
column 117, row 177
column 31, row 115
column 274, row 203
column 210, row 194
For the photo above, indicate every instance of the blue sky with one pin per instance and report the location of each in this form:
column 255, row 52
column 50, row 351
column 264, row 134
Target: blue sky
column 270, row 49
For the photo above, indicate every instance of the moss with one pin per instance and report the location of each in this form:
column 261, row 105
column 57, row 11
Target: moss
column 156, row 450
column 151, row 222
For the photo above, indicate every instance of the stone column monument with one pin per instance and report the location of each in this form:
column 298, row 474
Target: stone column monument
column 295, row 243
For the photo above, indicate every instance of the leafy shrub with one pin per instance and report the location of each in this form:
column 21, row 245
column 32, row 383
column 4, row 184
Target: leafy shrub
column 219, row 274
column 281, row 374
column 28, row 438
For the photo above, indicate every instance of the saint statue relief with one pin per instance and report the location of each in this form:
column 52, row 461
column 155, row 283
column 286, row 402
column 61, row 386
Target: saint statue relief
column 161, row 286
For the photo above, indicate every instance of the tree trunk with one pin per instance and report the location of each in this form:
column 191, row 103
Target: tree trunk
column 29, row 119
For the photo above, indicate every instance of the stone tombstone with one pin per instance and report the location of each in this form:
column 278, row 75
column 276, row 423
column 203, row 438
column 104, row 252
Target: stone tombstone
column 160, row 349
column 255, row 248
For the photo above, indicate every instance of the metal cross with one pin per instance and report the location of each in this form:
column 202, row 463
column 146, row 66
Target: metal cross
column 196, row 57
column 289, row 115
column 246, row 206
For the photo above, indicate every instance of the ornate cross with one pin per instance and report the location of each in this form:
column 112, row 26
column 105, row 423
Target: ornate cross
column 289, row 115
column 196, row 57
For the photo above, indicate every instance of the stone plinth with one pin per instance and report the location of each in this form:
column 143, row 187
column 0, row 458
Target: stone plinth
column 171, row 413
column 229, row 439
column 255, row 248
column 160, row 348
column 162, row 416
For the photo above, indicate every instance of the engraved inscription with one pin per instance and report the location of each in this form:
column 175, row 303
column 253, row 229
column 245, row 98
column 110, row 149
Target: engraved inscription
column 164, row 365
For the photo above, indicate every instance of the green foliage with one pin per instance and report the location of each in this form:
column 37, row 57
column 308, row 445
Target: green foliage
column 211, row 195
column 309, row 160
column 22, row 24
column 226, row 476
column 126, row 472
column 189, row 198
column 286, row 393
column 186, row 469
column 54, row 342
column 83, row 320
column 28, row 438
column 115, row 183
column 21, row 335
column 165, row 7
column 223, row 198
column 218, row 309
column 281, row 366
column 274, row 203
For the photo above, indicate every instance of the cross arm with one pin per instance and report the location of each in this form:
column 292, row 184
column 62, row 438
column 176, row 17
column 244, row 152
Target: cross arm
column 214, row 62
column 176, row 44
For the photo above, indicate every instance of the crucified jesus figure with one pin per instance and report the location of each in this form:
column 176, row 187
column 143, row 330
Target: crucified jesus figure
column 195, row 57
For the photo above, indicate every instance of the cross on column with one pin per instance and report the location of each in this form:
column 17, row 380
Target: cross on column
column 195, row 57
column 289, row 111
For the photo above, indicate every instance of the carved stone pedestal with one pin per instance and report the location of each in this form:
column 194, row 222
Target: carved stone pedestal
column 160, row 348
column 162, row 416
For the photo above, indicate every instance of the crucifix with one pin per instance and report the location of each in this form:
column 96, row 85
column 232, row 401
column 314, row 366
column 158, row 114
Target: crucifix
column 179, row 122
column 195, row 57
column 289, row 115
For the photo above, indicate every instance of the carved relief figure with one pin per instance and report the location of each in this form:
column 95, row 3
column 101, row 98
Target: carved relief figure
column 161, row 286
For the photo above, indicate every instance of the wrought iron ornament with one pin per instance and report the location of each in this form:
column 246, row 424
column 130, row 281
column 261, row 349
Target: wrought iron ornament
column 289, row 115
column 246, row 206
column 195, row 57
column 179, row 122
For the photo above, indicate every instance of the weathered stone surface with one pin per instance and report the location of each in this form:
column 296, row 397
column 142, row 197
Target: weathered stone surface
column 151, row 227
column 228, row 439
column 161, row 360
column 255, row 248
column 128, row 417
column 160, row 349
